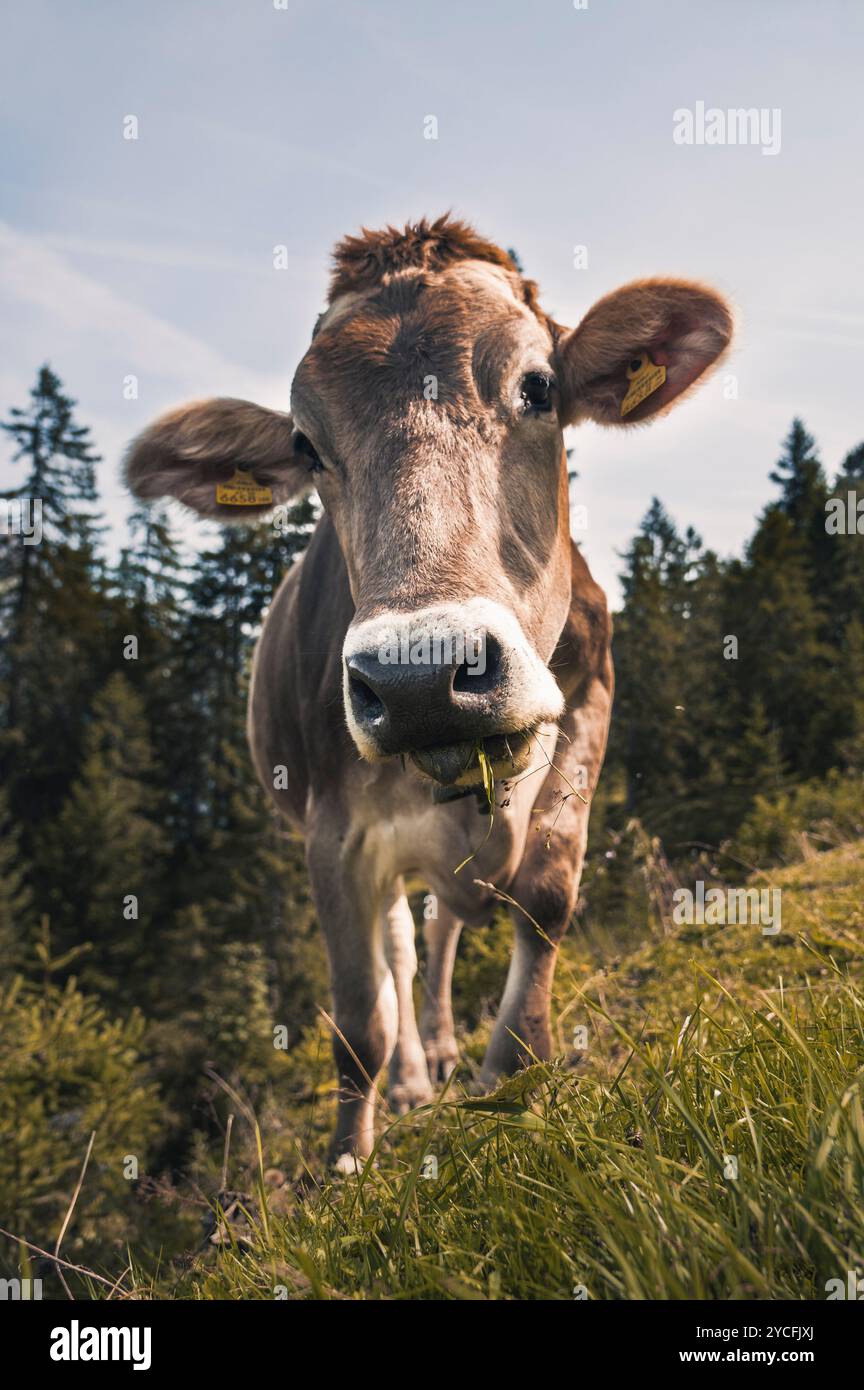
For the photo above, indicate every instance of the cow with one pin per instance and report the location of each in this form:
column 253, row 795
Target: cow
column 441, row 646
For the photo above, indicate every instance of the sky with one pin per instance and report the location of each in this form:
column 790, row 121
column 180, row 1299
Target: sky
column 292, row 123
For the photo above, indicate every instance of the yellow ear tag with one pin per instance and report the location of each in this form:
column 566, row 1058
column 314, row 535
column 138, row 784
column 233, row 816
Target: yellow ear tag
column 243, row 491
column 645, row 378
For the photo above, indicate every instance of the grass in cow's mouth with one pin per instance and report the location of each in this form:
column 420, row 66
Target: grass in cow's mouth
column 488, row 777
column 477, row 774
column 457, row 764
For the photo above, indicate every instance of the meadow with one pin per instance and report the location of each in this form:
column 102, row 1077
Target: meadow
column 704, row 1140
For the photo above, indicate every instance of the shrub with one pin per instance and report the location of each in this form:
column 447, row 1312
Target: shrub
column 815, row 815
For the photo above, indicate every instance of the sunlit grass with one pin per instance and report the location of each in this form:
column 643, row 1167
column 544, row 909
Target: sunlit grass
column 707, row 1143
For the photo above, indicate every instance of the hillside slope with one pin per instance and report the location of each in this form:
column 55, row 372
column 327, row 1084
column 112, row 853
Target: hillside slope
column 703, row 1137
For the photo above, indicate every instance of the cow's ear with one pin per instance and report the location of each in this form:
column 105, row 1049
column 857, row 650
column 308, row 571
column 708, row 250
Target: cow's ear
column 194, row 454
column 639, row 348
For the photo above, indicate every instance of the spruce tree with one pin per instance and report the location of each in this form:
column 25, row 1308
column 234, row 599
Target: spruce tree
column 149, row 572
column 101, row 858
column 846, row 606
column 788, row 662
column 653, row 730
column 15, row 895
column 803, row 494
column 54, row 612
column 60, row 461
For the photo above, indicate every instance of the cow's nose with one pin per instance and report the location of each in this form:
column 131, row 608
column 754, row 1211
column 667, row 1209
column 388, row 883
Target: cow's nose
column 423, row 699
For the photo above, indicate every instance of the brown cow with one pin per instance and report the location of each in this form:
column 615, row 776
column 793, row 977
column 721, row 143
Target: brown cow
column 441, row 609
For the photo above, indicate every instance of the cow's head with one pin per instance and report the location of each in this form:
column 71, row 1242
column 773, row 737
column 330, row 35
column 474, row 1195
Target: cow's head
column 428, row 412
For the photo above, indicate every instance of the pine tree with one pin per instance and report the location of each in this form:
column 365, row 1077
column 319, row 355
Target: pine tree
column 15, row 896
column 756, row 765
column 230, row 588
column 150, row 565
column 61, row 474
column 54, row 612
column 785, row 658
column 803, row 495
column 653, row 733
column 799, row 475
column 846, row 602
column 150, row 584
column 101, row 857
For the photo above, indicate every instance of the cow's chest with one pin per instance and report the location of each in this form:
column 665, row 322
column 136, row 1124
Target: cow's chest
column 447, row 847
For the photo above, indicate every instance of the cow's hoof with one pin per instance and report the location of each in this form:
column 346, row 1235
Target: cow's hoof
column 347, row 1165
column 407, row 1094
column 482, row 1085
column 442, row 1058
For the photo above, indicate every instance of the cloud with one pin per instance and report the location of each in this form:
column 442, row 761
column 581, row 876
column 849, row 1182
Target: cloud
column 52, row 305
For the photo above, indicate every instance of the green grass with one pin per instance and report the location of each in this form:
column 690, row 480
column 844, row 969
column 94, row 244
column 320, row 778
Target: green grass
column 608, row 1170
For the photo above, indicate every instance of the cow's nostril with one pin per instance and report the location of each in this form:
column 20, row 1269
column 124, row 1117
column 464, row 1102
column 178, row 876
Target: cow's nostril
column 442, row 688
column 482, row 672
column 367, row 704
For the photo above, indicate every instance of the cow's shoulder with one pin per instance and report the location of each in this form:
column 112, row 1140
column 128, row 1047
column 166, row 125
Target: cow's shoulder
column 583, row 653
column 296, row 720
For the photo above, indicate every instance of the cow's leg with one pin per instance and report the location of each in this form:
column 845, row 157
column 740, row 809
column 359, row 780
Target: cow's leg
column 364, row 995
column 409, row 1076
column 436, row 1018
column 546, row 887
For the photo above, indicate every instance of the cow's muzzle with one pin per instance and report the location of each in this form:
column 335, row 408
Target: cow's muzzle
column 440, row 683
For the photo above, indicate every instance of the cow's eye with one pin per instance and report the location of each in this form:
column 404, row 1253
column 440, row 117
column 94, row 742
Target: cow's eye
column 304, row 446
column 537, row 391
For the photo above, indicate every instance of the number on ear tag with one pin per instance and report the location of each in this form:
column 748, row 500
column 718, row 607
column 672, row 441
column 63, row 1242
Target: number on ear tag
column 243, row 491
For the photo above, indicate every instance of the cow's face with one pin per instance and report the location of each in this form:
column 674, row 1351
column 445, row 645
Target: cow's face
column 428, row 412
column 430, row 409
